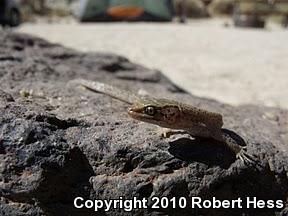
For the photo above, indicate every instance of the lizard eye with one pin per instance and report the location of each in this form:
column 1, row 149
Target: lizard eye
column 150, row 110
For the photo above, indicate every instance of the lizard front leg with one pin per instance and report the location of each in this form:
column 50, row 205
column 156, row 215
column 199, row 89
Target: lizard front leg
column 167, row 132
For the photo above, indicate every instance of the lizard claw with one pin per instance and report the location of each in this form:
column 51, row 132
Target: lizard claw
column 244, row 148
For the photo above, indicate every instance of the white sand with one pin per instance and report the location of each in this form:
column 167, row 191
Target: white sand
column 235, row 66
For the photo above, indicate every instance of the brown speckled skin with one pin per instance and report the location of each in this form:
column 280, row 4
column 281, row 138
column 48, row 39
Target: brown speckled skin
column 175, row 115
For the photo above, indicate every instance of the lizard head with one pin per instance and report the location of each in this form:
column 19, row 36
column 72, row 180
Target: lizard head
column 156, row 111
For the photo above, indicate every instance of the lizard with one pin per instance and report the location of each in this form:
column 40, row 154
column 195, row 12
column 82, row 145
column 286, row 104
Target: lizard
column 171, row 114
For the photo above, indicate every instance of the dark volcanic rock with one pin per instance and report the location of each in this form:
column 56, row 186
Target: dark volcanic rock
column 58, row 143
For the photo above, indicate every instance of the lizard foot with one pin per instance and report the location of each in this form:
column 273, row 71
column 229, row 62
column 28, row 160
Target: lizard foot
column 245, row 157
column 167, row 132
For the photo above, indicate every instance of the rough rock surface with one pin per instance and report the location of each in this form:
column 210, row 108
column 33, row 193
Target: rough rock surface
column 57, row 143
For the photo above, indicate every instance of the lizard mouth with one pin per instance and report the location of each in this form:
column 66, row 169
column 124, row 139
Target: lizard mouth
column 137, row 114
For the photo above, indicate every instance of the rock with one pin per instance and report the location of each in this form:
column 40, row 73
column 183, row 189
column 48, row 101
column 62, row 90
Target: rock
column 59, row 143
column 4, row 96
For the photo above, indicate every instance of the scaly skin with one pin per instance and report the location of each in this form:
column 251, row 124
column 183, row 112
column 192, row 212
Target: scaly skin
column 171, row 114
column 175, row 115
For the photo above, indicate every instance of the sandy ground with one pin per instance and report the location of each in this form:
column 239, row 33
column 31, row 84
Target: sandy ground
column 236, row 66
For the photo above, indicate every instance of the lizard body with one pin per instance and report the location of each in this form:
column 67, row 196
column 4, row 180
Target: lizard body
column 170, row 114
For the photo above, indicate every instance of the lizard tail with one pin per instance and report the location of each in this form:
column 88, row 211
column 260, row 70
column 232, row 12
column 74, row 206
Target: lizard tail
column 103, row 88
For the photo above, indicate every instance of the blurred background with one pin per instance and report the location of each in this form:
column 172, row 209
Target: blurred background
column 234, row 51
column 245, row 13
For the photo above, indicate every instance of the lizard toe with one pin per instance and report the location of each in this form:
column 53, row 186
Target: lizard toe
column 245, row 157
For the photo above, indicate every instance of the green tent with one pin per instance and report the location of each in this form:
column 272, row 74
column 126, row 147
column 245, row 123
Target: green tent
column 130, row 10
